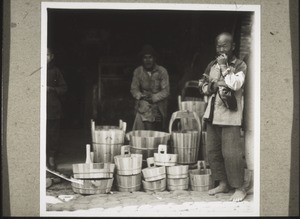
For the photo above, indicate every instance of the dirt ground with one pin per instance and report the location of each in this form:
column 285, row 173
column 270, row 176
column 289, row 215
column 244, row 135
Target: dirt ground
column 61, row 200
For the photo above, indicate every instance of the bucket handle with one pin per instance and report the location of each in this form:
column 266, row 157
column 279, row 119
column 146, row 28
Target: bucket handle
column 127, row 135
column 162, row 149
column 125, row 151
column 88, row 154
column 122, row 125
column 150, row 162
column 92, row 156
column 201, row 165
column 179, row 102
column 184, row 114
column 93, row 129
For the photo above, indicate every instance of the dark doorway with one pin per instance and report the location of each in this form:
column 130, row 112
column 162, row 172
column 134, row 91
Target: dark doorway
column 97, row 52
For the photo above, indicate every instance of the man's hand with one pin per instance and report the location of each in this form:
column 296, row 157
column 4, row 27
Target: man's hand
column 147, row 97
column 222, row 60
column 212, row 86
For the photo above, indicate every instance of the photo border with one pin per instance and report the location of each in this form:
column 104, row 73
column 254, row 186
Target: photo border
column 256, row 50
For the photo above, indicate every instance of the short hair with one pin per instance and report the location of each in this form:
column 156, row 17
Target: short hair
column 224, row 34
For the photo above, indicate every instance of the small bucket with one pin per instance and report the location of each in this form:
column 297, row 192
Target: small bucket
column 177, row 172
column 152, row 172
column 91, row 187
column 200, row 178
column 155, row 186
column 127, row 163
column 129, row 183
column 90, row 170
column 163, row 159
column 178, row 184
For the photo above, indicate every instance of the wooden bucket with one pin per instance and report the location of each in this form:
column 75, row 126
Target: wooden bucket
column 90, row 187
column 127, row 163
column 93, row 170
column 146, row 142
column 186, row 142
column 90, row 170
column 146, row 153
column 195, row 106
column 200, row 178
column 178, row 184
column 177, row 172
column 107, row 141
column 152, row 172
column 129, row 183
column 155, row 186
column 162, row 158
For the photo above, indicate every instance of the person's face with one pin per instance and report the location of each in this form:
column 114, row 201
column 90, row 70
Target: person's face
column 148, row 61
column 224, row 45
column 49, row 56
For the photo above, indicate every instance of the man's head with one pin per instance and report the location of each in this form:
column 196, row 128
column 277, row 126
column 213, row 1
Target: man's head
column 50, row 55
column 225, row 44
column 148, row 56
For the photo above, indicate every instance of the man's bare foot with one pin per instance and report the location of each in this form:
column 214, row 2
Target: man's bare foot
column 239, row 195
column 221, row 188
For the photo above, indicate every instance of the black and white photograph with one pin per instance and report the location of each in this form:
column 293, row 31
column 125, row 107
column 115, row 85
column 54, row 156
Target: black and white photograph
column 150, row 109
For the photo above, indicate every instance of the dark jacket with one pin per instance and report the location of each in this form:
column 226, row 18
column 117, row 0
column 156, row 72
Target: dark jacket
column 157, row 85
column 56, row 81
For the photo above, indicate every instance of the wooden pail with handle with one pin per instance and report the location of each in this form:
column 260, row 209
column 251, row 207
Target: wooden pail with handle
column 146, row 142
column 107, row 141
column 161, row 158
column 129, row 183
column 90, row 170
column 185, row 142
column 128, row 163
column 152, row 172
column 178, row 177
column 200, row 178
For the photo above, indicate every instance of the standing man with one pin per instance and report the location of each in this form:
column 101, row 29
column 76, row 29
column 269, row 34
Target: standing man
column 150, row 88
column 56, row 88
column 223, row 83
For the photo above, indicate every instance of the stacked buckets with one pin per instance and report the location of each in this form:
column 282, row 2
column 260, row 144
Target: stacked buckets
column 92, row 178
column 146, row 142
column 177, row 176
column 129, row 168
column 154, row 177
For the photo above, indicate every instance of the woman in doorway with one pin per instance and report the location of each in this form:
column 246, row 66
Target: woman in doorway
column 150, row 88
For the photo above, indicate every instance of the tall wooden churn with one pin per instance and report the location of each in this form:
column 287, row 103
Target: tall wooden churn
column 196, row 103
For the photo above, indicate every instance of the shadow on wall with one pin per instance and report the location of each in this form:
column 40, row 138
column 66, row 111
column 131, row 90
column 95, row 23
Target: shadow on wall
column 5, row 76
column 294, row 171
